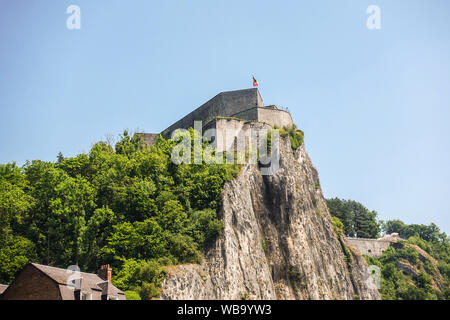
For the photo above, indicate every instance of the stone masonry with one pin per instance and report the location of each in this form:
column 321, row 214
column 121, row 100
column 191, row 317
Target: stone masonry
column 373, row 247
column 230, row 114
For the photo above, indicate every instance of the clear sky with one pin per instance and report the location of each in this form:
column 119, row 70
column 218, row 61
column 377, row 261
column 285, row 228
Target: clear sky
column 374, row 104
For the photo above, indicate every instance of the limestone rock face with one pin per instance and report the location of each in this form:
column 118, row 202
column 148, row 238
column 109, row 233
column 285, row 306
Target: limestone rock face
column 278, row 242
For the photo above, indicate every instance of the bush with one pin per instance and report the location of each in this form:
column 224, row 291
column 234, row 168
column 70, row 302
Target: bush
column 423, row 281
column 296, row 136
column 395, row 285
column 205, row 226
column 408, row 253
column 184, row 248
column 124, row 277
column 148, row 291
column 132, row 295
column 147, row 278
column 338, row 226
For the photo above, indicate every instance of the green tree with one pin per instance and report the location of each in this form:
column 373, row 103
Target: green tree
column 147, row 278
column 429, row 233
column 358, row 221
column 57, row 221
column 14, row 206
column 98, row 229
column 15, row 203
column 128, row 206
column 15, row 253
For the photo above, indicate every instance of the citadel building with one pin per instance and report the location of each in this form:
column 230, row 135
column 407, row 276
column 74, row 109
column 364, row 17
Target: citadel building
column 231, row 114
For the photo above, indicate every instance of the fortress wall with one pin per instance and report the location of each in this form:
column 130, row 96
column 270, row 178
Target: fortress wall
column 270, row 116
column 234, row 102
column 370, row 247
column 148, row 138
column 250, row 114
column 229, row 131
column 225, row 104
column 203, row 113
column 274, row 117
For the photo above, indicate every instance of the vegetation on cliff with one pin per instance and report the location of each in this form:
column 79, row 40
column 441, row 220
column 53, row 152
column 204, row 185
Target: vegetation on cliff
column 132, row 207
column 128, row 206
column 417, row 268
column 296, row 136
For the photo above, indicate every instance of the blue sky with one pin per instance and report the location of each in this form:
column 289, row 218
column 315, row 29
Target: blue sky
column 374, row 104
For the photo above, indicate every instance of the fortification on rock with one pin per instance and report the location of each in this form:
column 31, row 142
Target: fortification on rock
column 231, row 113
column 373, row 247
column 278, row 240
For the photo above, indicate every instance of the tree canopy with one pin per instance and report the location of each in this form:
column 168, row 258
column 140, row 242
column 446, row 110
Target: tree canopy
column 407, row 273
column 358, row 221
column 127, row 205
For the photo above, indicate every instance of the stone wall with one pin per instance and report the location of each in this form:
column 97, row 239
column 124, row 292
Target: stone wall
column 370, row 247
column 232, row 114
column 31, row 284
column 250, row 114
column 232, row 132
column 148, row 138
column 225, row 104
column 273, row 117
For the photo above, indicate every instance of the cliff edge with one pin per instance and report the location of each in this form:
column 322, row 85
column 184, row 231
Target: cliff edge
column 278, row 242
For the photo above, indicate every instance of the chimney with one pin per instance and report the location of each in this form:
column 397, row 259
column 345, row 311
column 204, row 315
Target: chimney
column 105, row 272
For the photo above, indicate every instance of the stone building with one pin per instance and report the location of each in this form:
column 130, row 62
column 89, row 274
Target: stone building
column 373, row 247
column 231, row 113
column 40, row 282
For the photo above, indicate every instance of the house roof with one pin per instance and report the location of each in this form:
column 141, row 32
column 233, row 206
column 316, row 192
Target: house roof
column 3, row 288
column 89, row 282
column 107, row 288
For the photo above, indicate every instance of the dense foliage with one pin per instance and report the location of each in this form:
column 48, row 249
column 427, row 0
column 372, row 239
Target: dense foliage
column 129, row 206
column 296, row 136
column 417, row 268
column 358, row 221
column 428, row 233
column 132, row 207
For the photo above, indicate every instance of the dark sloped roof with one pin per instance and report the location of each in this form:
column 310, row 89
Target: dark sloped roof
column 90, row 281
column 107, row 288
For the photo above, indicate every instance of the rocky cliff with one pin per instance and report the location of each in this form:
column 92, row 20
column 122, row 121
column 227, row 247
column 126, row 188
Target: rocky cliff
column 278, row 242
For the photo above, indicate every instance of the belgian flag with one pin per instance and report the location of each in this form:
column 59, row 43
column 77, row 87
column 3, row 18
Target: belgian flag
column 255, row 82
